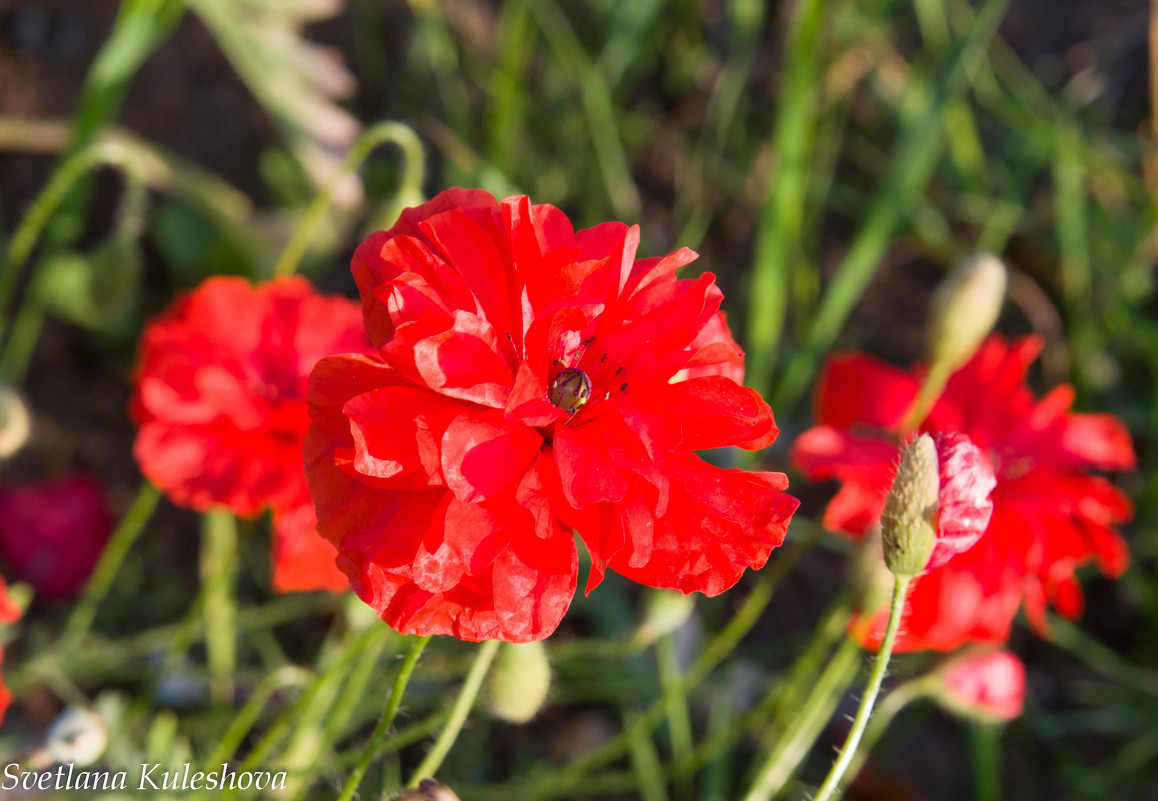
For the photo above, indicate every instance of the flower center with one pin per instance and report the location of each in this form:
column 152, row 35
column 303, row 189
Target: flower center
column 570, row 389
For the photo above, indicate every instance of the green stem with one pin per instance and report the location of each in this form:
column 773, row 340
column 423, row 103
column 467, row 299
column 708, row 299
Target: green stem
column 26, row 236
column 888, row 709
column 817, row 708
column 561, row 781
column 931, row 389
column 679, row 722
column 832, row 781
column 218, row 572
column 112, row 557
column 458, row 713
column 985, row 742
column 287, row 676
column 645, row 762
column 413, row 170
column 380, row 731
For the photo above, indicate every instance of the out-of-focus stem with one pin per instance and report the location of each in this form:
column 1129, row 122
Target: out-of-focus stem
column 218, row 572
column 413, row 170
column 387, row 719
column 112, row 557
column 458, row 713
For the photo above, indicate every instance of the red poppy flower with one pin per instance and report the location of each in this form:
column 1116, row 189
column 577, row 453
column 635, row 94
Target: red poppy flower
column 524, row 388
column 989, row 686
column 52, row 533
column 1050, row 515
column 220, row 398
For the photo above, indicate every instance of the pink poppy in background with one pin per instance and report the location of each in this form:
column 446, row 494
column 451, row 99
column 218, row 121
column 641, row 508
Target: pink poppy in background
column 52, row 532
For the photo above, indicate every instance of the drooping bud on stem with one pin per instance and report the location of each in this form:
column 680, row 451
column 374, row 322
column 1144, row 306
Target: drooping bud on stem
column 909, row 521
column 965, row 309
column 520, row 681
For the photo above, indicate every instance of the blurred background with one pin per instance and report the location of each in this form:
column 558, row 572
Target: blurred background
column 828, row 160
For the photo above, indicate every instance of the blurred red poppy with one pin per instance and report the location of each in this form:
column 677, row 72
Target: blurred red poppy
column 1050, row 515
column 220, row 398
column 524, row 388
column 53, row 532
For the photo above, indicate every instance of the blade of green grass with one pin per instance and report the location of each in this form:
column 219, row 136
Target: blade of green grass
column 916, row 157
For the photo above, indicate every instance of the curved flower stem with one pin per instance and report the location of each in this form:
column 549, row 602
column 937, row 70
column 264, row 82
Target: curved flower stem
column 111, row 559
column 888, row 709
column 413, row 171
column 383, row 727
column 931, row 389
column 829, row 787
column 28, row 234
column 458, row 713
column 808, row 723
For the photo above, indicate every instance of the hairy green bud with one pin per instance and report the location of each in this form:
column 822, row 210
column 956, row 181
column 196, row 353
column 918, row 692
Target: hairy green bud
column 909, row 521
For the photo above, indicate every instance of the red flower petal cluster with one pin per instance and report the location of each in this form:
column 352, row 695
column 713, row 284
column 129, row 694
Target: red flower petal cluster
column 532, row 380
column 1050, row 515
column 220, row 398
column 9, row 613
column 989, row 685
column 53, row 532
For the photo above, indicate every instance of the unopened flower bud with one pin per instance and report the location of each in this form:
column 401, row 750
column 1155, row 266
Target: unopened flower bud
column 965, row 308
column 78, row 736
column 15, row 422
column 666, row 611
column 988, row 687
column 909, row 521
column 519, row 681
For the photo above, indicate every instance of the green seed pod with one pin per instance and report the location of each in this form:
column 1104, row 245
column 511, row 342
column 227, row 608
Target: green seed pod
column 965, row 308
column 570, row 389
column 909, row 521
column 519, row 681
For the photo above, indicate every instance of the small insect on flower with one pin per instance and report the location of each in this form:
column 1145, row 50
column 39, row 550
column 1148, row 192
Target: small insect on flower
column 570, row 389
